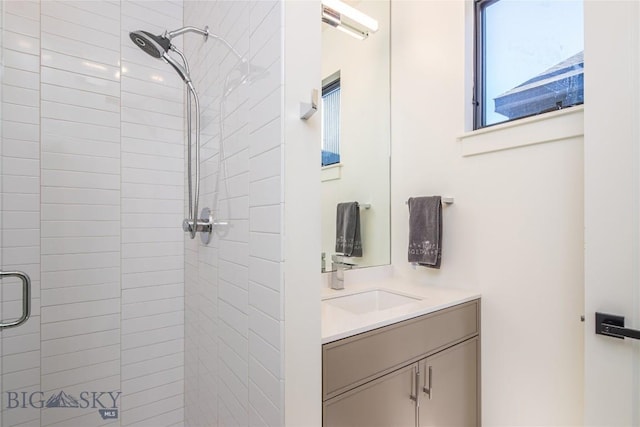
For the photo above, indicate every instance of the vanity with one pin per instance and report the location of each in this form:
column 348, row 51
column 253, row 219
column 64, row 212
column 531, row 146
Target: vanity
column 397, row 354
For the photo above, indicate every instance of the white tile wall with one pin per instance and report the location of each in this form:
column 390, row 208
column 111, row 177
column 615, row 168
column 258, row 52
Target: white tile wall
column 91, row 200
column 20, row 205
column 233, row 325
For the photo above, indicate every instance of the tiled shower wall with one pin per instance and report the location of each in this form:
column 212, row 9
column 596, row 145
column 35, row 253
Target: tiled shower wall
column 92, row 199
column 233, row 287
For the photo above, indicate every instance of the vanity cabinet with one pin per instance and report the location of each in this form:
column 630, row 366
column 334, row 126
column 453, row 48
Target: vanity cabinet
column 418, row 372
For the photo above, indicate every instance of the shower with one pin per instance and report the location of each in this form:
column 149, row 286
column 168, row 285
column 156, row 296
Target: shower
column 158, row 46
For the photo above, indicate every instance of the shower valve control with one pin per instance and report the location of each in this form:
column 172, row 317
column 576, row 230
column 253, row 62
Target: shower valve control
column 203, row 225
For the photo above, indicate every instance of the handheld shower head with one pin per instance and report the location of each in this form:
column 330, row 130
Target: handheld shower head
column 158, row 47
column 153, row 45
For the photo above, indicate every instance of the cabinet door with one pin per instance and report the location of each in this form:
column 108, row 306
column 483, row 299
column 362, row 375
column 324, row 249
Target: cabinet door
column 450, row 387
column 384, row 402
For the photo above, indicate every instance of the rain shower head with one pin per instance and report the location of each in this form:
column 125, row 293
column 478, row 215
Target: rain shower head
column 153, row 45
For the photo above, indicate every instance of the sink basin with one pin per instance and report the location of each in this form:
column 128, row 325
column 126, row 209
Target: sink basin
column 370, row 301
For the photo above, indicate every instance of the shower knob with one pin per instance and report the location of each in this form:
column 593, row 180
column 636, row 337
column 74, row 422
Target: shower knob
column 204, row 225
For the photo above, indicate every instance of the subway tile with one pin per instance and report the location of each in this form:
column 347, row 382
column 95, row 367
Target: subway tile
column 20, row 96
column 67, row 212
column 28, row 26
column 99, row 118
column 89, row 83
column 266, row 192
column 146, row 176
column 265, row 138
column 151, row 235
column 24, row 8
column 267, row 246
column 232, row 338
column 148, row 323
column 79, row 294
column 154, row 336
column 151, row 206
column 69, row 328
column 80, row 228
column 265, row 381
column 266, row 327
column 81, row 358
column 73, row 179
column 80, row 310
column 21, row 61
column 153, row 395
column 158, row 292
column 265, row 300
column 141, row 101
column 266, row 219
column 20, row 114
column 140, row 354
column 20, row 78
column 266, row 354
column 267, row 410
column 148, row 382
column 233, row 317
column 79, row 343
column 21, row 361
column 20, row 184
column 147, row 161
column 266, row 164
column 75, row 31
column 265, row 272
column 53, row 143
column 75, row 245
column 80, row 375
column 65, row 11
column 80, row 98
column 156, row 148
column 20, row 167
column 80, row 261
column 85, row 277
column 151, row 278
column 20, row 131
column 79, row 196
column 63, row 128
column 233, row 295
column 80, row 49
column 21, row 42
column 150, row 308
column 20, row 148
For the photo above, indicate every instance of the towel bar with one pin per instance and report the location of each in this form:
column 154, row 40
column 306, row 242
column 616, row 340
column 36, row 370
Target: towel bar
column 445, row 200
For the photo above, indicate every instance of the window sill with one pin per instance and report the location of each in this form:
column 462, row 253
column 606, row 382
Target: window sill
column 548, row 127
column 331, row 172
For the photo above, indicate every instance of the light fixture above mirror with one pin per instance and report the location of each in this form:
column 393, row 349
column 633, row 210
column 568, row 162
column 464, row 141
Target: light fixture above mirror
column 348, row 19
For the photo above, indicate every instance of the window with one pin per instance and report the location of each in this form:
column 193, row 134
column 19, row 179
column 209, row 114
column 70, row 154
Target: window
column 331, row 120
column 529, row 58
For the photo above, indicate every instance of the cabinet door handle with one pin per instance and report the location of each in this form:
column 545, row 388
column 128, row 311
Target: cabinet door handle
column 428, row 389
column 416, row 385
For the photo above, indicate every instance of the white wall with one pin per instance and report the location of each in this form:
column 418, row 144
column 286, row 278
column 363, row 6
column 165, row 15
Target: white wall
column 364, row 134
column 92, row 202
column 515, row 232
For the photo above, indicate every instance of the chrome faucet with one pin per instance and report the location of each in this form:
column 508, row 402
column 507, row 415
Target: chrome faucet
column 338, row 266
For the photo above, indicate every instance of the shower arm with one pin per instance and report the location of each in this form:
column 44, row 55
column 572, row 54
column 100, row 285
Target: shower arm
column 180, row 31
column 204, row 32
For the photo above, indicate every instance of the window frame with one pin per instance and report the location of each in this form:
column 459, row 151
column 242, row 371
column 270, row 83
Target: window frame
column 479, row 69
column 331, row 84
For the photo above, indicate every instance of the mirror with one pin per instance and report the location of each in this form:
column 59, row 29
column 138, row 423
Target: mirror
column 361, row 172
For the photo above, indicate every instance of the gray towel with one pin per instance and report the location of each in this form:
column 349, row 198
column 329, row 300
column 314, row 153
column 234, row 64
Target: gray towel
column 348, row 240
column 425, row 231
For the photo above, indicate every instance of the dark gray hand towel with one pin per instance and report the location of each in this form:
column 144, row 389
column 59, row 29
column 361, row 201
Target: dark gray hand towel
column 425, row 231
column 348, row 240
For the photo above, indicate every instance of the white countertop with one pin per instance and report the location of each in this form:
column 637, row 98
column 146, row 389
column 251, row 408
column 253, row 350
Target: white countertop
column 338, row 323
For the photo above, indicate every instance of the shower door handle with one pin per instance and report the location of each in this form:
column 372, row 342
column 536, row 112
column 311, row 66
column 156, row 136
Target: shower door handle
column 26, row 298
